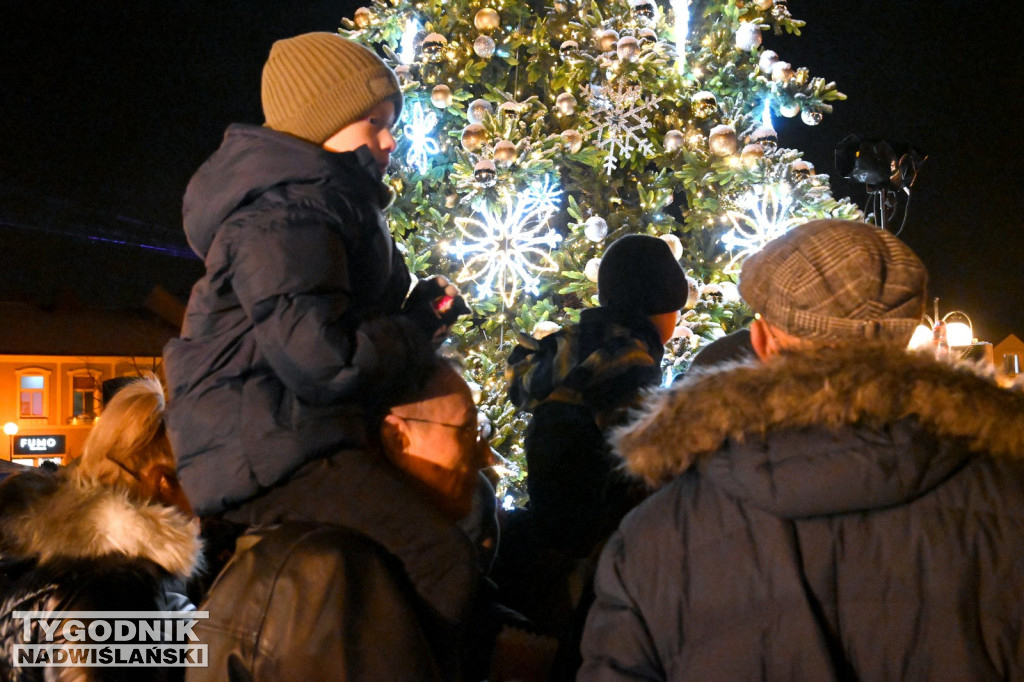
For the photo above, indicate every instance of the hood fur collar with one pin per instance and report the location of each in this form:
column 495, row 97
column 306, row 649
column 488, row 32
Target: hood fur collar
column 868, row 384
column 79, row 520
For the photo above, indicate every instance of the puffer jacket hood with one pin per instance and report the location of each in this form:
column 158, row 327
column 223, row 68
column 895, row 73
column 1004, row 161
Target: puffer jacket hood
column 253, row 159
column 835, row 430
column 54, row 518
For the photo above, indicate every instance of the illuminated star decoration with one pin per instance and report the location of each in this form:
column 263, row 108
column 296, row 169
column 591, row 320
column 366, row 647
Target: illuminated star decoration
column 762, row 219
column 502, row 252
column 417, row 131
column 681, row 10
column 620, row 112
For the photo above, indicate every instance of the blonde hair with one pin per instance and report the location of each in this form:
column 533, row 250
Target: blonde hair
column 128, row 436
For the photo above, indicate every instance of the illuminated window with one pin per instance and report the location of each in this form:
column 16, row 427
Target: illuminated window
column 85, row 396
column 32, row 395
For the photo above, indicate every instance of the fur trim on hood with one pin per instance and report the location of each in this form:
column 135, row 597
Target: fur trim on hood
column 68, row 519
column 868, row 384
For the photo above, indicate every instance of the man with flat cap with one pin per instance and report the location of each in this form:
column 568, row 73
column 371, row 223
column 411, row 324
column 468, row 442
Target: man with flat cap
column 837, row 508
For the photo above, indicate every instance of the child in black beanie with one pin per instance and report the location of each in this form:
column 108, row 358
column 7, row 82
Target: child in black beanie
column 578, row 383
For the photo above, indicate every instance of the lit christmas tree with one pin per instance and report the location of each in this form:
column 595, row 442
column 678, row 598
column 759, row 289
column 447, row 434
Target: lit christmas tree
column 534, row 135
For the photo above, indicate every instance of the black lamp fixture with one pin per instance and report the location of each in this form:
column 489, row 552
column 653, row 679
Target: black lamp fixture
column 885, row 168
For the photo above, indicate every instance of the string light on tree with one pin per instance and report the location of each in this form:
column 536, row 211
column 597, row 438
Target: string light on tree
column 407, row 49
column 681, row 12
column 763, row 217
column 506, row 251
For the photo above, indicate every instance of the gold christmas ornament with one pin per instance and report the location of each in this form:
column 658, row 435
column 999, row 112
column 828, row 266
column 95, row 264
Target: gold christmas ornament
column 802, row 169
column 782, row 72
column 646, row 37
column 545, row 328
column 627, row 48
column 487, row 19
column 433, row 47
column 606, row 40
column 748, row 36
column 789, row 109
column 765, row 135
column 572, row 139
column 363, row 17
column 674, row 140
column 505, row 152
column 591, row 268
column 566, row 104
column 478, row 110
column 674, row 244
column 703, row 104
column 441, row 96
column 485, row 173
column 473, row 137
column 403, row 73
column 722, row 140
column 764, row 5
column 751, row 153
column 483, row 46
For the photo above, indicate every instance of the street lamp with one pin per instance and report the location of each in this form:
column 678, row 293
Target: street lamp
column 11, row 429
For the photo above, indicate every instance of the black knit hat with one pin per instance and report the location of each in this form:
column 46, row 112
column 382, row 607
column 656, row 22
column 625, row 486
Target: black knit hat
column 639, row 272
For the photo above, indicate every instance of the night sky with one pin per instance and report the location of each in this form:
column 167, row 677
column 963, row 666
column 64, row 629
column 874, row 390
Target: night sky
column 108, row 108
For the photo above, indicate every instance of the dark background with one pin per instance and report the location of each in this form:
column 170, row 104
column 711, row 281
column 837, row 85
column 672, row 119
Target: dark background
column 107, row 108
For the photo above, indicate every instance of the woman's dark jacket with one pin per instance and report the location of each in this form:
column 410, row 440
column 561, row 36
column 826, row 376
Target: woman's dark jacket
column 298, row 255
column 850, row 514
column 68, row 545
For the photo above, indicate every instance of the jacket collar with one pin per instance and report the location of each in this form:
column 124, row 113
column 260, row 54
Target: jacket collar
column 868, row 384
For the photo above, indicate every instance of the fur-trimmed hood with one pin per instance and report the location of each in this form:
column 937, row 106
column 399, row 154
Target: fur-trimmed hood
column 885, row 398
column 59, row 517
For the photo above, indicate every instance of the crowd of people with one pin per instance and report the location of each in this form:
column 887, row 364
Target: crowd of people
column 810, row 500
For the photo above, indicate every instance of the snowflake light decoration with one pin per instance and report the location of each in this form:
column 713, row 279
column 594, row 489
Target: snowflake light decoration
column 762, row 219
column 502, row 251
column 620, row 112
column 417, row 131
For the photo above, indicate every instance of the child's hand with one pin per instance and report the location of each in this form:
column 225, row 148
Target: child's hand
column 434, row 305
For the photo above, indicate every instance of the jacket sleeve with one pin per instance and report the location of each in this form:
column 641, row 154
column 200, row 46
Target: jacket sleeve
column 292, row 275
column 617, row 643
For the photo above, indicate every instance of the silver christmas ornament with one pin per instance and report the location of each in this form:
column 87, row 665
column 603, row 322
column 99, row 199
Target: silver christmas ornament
column 566, row 104
column 810, row 117
column 591, row 268
column 767, row 60
column 722, row 140
column 572, row 139
column 403, row 73
column 478, row 110
column 473, row 137
column 569, row 49
column 765, row 135
column 483, row 46
column 674, row 244
column 486, row 19
column 433, row 47
column 485, row 173
column 674, row 140
column 643, row 11
column 596, row 228
column 441, row 96
column 703, row 104
column 748, row 36
column 764, row 4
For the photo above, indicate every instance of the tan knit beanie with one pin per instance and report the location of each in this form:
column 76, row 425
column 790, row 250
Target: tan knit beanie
column 315, row 84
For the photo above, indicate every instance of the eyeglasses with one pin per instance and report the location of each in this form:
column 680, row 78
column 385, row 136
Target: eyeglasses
column 476, row 428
